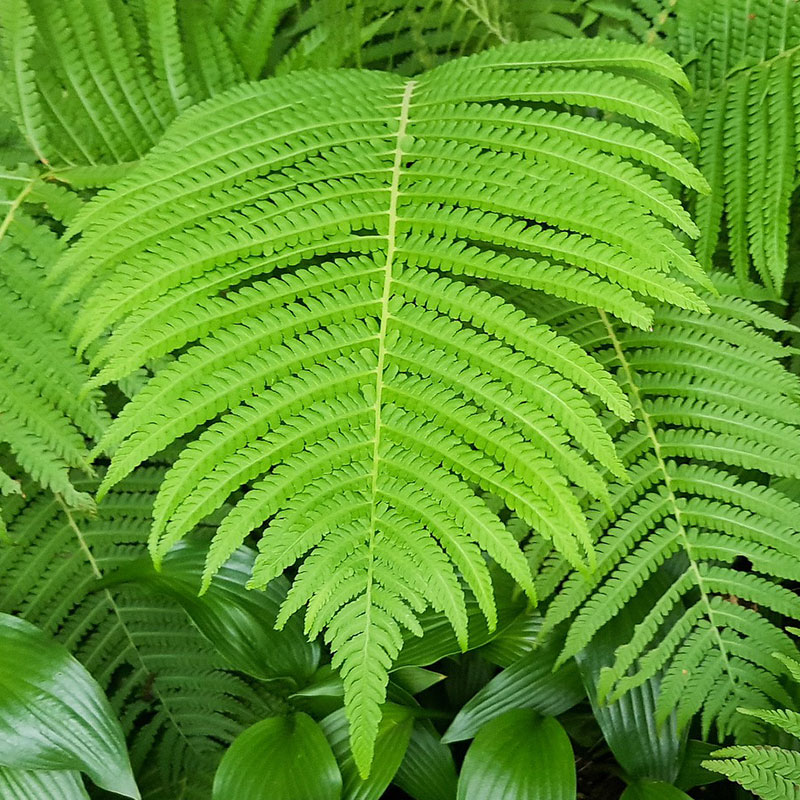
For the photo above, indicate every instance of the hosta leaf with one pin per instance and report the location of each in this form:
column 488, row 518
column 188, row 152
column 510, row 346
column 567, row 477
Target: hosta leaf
column 519, row 756
column 53, row 715
column 18, row 784
column 282, row 758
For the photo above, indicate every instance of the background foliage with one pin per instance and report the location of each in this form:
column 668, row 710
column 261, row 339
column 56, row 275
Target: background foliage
column 489, row 364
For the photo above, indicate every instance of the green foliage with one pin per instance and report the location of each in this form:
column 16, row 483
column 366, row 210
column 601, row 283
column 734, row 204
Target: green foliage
column 770, row 772
column 330, row 263
column 177, row 703
column 743, row 59
column 44, row 419
column 435, row 338
column 711, row 399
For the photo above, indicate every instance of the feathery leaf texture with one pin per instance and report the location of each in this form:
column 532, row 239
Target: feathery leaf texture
column 743, row 59
column 716, row 416
column 304, row 249
column 167, row 685
column 97, row 81
column 43, row 420
column 770, row 772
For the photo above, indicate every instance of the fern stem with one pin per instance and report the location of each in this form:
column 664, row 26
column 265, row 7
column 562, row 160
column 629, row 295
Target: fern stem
column 15, row 204
column 637, row 403
column 98, row 573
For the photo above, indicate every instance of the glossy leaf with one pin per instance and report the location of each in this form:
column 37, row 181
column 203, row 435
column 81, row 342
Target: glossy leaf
column 280, row 758
column 427, row 772
column 22, row 784
column 653, row 790
column 416, row 679
column 519, row 756
column 238, row 621
column 528, row 683
column 394, row 733
column 53, row 715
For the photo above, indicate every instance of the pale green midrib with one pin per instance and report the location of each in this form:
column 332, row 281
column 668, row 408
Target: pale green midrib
column 638, row 403
column 394, row 190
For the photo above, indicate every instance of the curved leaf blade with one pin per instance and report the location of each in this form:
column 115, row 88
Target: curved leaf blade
column 519, row 756
column 53, row 715
column 280, row 758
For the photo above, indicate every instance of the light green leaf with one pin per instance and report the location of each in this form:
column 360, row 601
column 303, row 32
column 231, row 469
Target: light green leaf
column 280, row 758
column 23, row 784
column 519, row 756
column 53, row 715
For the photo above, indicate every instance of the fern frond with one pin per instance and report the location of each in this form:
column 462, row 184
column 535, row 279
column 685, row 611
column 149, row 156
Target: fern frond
column 97, row 81
column 744, row 63
column 177, row 704
column 712, row 401
column 308, row 266
column 44, row 420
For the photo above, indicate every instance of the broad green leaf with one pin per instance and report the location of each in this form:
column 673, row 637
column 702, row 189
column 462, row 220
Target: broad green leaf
column 53, row 715
column 394, row 733
column 239, row 622
column 517, row 639
column 427, row 772
column 416, row 679
column 519, row 756
column 23, row 784
column 280, row 758
column 653, row 790
column 528, row 683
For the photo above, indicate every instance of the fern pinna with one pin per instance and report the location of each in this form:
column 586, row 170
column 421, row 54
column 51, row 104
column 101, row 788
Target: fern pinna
column 715, row 418
column 44, row 421
column 767, row 770
column 303, row 248
column 743, row 59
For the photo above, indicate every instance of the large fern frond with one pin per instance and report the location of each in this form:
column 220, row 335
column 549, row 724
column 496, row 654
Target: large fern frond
column 178, row 706
column 44, row 420
column 306, row 260
column 716, row 417
column 743, row 58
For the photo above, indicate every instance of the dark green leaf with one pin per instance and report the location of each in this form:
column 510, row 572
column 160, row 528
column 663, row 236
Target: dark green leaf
column 238, row 621
column 653, row 790
column 528, row 683
column 642, row 749
column 519, row 756
column 53, row 715
column 427, row 772
column 438, row 639
column 416, row 679
column 394, row 733
column 693, row 773
column 20, row 784
column 280, row 758
column 517, row 639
